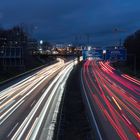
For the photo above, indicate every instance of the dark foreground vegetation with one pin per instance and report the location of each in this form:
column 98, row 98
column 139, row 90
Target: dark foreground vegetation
column 132, row 44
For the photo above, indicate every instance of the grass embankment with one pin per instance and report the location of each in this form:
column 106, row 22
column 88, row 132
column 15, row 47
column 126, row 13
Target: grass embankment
column 74, row 123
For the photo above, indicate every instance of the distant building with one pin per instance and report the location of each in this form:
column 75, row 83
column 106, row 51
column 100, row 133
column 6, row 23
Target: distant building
column 32, row 46
column 13, row 44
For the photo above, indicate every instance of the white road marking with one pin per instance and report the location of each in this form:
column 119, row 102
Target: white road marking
column 12, row 130
column 33, row 103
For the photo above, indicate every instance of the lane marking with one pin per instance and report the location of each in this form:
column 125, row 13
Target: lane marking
column 31, row 130
column 94, row 120
column 12, row 130
column 32, row 103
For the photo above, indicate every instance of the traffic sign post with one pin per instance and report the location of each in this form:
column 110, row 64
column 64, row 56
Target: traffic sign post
column 118, row 55
column 109, row 54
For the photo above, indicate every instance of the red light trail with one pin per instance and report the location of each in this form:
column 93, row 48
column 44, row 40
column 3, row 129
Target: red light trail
column 115, row 97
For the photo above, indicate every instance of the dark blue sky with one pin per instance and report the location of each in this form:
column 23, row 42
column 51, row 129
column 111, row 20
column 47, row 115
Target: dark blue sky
column 62, row 20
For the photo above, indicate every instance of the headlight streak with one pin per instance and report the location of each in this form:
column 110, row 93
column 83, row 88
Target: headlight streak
column 61, row 81
column 18, row 134
column 20, row 96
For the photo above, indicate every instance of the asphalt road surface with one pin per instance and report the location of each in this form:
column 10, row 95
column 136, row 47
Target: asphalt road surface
column 27, row 107
column 113, row 99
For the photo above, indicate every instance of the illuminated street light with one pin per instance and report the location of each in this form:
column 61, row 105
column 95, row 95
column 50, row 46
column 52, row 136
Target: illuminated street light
column 104, row 51
column 89, row 48
column 40, row 50
column 104, row 54
column 41, row 42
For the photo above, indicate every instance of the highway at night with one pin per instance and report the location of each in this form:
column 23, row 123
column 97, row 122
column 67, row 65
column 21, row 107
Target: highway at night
column 24, row 105
column 112, row 100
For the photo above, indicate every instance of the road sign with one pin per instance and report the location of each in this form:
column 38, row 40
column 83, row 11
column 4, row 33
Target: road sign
column 118, row 54
column 109, row 54
column 92, row 54
column 84, row 53
column 99, row 53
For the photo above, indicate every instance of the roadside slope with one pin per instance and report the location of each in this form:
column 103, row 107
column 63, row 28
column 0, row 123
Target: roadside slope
column 74, row 124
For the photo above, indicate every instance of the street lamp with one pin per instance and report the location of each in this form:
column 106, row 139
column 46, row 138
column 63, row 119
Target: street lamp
column 89, row 48
column 104, row 54
column 41, row 42
column 40, row 46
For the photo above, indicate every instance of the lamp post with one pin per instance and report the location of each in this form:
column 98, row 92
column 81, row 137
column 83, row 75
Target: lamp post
column 41, row 42
column 104, row 55
column 40, row 46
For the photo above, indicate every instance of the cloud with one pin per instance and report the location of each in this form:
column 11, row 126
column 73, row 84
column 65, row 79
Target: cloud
column 63, row 19
column 1, row 15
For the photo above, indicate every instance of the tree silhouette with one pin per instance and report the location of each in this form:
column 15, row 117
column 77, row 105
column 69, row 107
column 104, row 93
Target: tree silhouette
column 132, row 44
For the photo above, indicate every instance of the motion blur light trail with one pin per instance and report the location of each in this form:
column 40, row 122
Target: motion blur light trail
column 114, row 98
column 131, row 79
column 28, row 104
column 13, row 96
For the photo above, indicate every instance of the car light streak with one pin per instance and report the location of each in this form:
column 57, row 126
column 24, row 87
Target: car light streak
column 116, row 96
column 12, row 129
column 31, row 130
column 10, row 111
column 60, row 81
column 29, row 86
column 116, row 103
column 131, row 79
column 26, row 123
